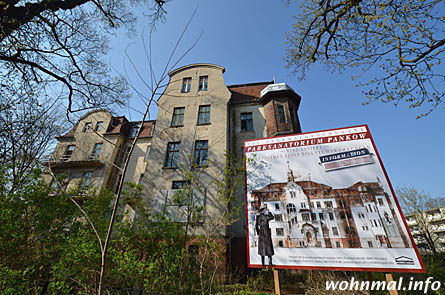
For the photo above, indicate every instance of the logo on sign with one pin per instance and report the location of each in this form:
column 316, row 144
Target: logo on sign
column 346, row 159
column 403, row 260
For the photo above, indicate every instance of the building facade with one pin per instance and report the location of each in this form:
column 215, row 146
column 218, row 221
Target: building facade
column 93, row 151
column 199, row 119
column 428, row 229
column 309, row 214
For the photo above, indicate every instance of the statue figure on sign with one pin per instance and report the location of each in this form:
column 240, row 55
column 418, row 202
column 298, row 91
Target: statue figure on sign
column 265, row 246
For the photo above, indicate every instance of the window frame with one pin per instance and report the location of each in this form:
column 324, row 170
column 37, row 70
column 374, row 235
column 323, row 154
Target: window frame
column 206, row 122
column 281, row 115
column 175, row 122
column 83, row 182
column 147, row 153
column 95, row 153
column 186, row 87
column 134, row 130
column 182, row 182
column 171, row 160
column 203, row 83
column 99, row 126
column 198, row 155
column 87, row 127
column 68, row 153
column 247, row 120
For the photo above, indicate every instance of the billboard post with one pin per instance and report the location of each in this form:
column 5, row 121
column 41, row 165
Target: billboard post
column 323, row 200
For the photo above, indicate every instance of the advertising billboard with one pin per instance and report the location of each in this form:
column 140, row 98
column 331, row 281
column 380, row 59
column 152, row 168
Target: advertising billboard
column 322, row 200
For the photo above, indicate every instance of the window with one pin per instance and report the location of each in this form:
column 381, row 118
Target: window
column 186, row 85
column 204, row 115
column 318, row 205
column 147, row 153
column 86, row 178
column 153, row 125
column 203, row 82
column 134, row 130
column 338, row 244
column 321, row 216
column 380, row 202
column 178, row 184
column 201, row 152
column 370, row 245
column 280, row 232
column 141, row 178
column 278, row 217
column 292, row 117
column 87, row 127
column 328, row 204
column 277, row 206
column 246, row 122
column 303, row 205
column 118, row 183
column 335, row 231
column 172, row 154
column 178, row 117
column 99, row 126
column 126, row 154
column 281, row 114
column 305, row 217
column 291, row 208
column 96, row 150
column 68, row 152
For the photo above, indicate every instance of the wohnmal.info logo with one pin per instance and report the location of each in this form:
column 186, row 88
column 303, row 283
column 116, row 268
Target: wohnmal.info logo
column 400, row 285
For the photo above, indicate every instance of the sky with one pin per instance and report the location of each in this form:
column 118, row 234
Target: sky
column 248, row 38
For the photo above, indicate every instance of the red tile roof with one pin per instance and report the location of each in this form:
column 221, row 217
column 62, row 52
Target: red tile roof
column 246, row 93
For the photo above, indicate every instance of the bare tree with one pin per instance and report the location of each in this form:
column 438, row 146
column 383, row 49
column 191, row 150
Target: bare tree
column 402, row 41
column 49, row 47
column 26, row 130
column 154, row 89
column 51, row 62
column 416, row 204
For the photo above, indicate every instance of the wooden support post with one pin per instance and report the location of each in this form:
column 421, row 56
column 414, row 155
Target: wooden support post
column 369, row 277
column 390, row 279
column 276, row 281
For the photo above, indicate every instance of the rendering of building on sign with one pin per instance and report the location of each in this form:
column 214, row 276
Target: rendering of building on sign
column 329, row 204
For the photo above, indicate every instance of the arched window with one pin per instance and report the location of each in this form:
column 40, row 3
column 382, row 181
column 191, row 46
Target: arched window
column 291, row 208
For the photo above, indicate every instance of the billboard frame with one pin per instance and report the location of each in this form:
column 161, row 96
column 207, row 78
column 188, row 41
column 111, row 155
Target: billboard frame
column 336, row 268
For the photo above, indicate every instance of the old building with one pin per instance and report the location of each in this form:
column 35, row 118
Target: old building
column 310, row 214
column 428, row 229
column 93, row 151
column 199, row 119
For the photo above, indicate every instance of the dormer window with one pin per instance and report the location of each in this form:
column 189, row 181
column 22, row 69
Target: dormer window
column 87, row 127
column 99, row 126
column 134, row 130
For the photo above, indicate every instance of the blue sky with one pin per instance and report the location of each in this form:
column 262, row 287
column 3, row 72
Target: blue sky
column 248, row 38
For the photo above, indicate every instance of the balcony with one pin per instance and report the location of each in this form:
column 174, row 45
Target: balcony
column 65, row 162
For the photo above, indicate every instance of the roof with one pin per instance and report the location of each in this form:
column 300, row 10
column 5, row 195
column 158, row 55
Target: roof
column 117, row 125
column 308, row 185
column 207, row 65
column 245, row 93
column 146, row 129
